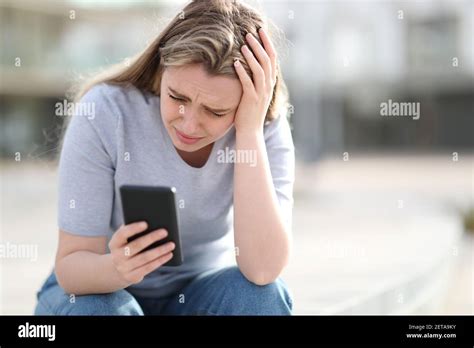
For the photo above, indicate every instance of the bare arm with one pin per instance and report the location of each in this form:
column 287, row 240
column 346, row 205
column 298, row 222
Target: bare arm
column 260, row 234
column 83, row 266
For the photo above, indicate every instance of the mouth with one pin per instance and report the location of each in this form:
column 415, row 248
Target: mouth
column 186, row 138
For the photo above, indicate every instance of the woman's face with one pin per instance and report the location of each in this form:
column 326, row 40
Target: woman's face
column 197, row 109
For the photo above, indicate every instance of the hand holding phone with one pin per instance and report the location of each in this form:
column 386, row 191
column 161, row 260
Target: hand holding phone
column 157, row 206
column 130, row 262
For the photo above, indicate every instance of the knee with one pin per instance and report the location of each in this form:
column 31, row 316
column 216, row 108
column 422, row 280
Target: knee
column 271, row 299
column 55, row 301
column 117, row 303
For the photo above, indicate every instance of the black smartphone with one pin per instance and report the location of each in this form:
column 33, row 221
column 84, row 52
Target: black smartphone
column 157, row 206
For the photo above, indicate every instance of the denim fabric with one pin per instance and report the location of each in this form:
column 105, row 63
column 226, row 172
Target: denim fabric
column 218, row 292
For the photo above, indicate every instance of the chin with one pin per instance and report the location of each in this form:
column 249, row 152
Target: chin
column 188, row 147
column 182, row 146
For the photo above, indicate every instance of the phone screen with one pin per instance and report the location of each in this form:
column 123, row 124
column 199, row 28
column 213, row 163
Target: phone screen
column 157, row 206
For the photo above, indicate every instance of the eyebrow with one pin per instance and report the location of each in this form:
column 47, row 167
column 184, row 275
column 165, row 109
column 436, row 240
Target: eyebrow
column 180, row 95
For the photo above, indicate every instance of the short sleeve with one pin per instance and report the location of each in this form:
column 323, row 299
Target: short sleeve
column 281, row 156
column 87, row 167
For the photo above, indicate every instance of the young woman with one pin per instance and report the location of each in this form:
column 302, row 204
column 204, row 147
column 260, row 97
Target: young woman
column 208, row 85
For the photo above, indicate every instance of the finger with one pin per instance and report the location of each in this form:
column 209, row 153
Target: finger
column 141, row 243
column 257, row 70
column 270, row 49
column 244, row 78
column 148, row 256
column 262, row 57
column 150, row 266
column 126, row 231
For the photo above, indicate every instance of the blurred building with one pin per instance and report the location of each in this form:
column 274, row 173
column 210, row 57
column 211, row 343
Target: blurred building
column 341, row 61
column 46, row 46
column 344, row 58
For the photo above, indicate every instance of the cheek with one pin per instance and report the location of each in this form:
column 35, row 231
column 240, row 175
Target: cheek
column 169, row 111
column 221, row 127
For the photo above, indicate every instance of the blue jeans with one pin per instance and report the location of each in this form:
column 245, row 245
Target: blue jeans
column 218, row 292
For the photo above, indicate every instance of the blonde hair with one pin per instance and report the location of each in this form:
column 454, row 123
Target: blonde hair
column 210, row 32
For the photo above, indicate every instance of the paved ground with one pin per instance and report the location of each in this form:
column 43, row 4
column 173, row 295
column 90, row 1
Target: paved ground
column 383, row 235
column 372, row 235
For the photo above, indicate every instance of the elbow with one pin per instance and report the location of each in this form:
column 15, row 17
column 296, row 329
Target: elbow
column 262, row 280
column 262, row 277
column 61, row 277
column 265, row 268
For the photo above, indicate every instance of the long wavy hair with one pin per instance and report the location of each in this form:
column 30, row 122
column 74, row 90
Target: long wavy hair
column 210, row 32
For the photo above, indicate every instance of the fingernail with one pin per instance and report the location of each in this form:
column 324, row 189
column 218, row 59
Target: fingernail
column 236, row 62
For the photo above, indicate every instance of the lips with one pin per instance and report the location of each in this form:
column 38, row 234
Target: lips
column 187, row 136
column 187, row 139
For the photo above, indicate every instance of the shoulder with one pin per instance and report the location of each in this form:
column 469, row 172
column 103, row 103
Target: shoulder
column 114, row 95
column 114, row 102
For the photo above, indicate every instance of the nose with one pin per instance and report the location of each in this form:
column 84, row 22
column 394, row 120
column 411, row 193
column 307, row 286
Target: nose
column 191, row 122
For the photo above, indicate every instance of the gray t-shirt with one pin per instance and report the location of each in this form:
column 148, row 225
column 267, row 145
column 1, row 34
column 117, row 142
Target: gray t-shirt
column 125, row 142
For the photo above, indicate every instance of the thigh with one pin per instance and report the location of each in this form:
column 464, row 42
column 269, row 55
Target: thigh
column 52, row 300
column 153, row 306
column 227, row 292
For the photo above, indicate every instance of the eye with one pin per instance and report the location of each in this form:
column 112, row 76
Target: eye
column 218, row 115
column 175, row 98
column 182, row 100
column 215, row 114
